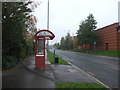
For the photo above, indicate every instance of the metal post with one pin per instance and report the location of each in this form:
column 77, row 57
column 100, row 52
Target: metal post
column 119, row 12
column 48, row 16
column 54, row 53
column 48, row 27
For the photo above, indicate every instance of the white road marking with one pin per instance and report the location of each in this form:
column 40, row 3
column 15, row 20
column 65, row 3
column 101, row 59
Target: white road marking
column 89, row 75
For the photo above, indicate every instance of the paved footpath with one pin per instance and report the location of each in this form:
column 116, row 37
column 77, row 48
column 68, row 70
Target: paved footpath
column 24, row 75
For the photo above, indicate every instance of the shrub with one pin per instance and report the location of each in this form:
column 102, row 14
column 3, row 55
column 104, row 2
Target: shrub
column 9, row 62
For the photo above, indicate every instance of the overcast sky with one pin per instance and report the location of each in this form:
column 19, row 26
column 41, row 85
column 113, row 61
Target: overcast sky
column 66, row 15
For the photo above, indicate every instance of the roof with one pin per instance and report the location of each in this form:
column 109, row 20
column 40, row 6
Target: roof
column 48, row 35
column 117, row 23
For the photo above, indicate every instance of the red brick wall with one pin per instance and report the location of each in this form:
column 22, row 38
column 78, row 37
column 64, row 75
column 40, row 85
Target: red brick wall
column 109, row 37
column 119, row 40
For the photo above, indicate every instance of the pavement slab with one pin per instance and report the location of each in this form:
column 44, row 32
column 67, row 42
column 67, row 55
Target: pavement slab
column 68, row 73
column 24, row 76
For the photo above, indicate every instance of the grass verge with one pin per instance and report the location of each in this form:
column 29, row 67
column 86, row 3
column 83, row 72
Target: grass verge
column 51, row 59
column 105, row 53
column 78, row 85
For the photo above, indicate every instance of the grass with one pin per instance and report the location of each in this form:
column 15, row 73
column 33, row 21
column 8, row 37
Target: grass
column 105, row 53
column 78, row 85
column 108, row 53
column 51, row 59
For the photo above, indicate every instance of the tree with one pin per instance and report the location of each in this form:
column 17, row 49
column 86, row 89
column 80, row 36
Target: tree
column 62, row 43
column 86, row 33
column 66, row 42
column 16, row 27
column 57, row 45
column 74, row 42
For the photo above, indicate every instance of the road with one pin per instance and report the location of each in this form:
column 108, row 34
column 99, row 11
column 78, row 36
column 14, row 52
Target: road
column 103, row 68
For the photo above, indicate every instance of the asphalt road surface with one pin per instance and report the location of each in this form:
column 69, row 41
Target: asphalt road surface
column 103, row 68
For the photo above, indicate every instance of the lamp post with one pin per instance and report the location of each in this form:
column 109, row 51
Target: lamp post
column 48, row 27
column 48, row 16
column 119, row 12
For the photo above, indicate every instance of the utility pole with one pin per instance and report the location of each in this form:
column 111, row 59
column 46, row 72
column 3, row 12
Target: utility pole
column 48, row 16
column 119, row 16
column 48, row 27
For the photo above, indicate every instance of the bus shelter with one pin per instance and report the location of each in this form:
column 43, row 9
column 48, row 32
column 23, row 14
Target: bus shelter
column 40, row 46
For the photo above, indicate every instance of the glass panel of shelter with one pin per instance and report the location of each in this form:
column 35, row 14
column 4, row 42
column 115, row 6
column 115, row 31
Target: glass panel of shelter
column 47, row 38
column 40, row 46
column 44, row 33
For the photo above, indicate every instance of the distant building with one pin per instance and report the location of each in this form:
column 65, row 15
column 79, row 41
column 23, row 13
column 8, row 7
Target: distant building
column 74, row 41
column 109, row 37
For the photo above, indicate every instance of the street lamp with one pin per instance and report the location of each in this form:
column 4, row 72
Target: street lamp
column 48, row 27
